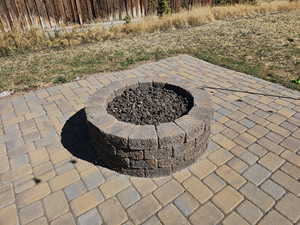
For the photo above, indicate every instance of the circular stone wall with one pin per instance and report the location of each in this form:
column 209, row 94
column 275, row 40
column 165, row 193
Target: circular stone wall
column 149, row 150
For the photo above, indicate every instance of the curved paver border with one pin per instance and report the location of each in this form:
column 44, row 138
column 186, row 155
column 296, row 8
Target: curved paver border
column 149, row 150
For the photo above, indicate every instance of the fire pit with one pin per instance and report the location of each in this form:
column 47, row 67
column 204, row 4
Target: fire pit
column 149, row 128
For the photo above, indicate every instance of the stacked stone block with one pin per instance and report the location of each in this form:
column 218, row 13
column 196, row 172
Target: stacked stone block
column 149, row 150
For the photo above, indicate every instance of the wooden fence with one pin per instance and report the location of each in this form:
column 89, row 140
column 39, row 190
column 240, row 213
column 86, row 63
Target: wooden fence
column 52, row 13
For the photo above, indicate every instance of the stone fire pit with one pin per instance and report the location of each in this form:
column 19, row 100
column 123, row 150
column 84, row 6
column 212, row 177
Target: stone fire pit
column 149, row 128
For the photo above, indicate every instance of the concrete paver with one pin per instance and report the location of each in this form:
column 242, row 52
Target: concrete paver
column 86, row 202
column 289, row 206
column 199, row 190
column 250, row 212
column 143, row 209
column 112, row 212
column 234, row 218
column 250, row 174
column 75, row 190
column 91, row 217
column 214, row 182
column 273, row 189
column 257, row 196
column 257, row 174
column 170, row 215
column 55, row 205
column 31, row 212
column 168, row 192
column 227, row 199
column 207, row 214
column 128, row 197
column 186, row 203
column 271, row 161
column 232, row 177
column 274, row 218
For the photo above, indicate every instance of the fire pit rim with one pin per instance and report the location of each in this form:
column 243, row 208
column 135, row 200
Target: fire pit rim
column 146, row 138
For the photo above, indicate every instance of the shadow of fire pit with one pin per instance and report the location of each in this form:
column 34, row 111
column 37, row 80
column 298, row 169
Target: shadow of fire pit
column 75, row 139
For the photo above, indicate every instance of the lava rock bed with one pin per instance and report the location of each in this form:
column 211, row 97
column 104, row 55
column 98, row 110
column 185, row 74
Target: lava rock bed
column 149, row 104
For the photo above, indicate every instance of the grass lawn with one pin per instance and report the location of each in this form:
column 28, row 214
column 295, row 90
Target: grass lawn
column 265, row 46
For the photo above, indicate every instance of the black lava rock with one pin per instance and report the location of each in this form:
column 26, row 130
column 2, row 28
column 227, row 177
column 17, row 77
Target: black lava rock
column 149, row 105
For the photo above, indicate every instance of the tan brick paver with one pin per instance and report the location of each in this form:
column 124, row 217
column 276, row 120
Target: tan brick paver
column 203, row 168
column 214, row 182
column 114, row 186
column 274, row 218
column 245, row 140
column 8, row 215
column 292, row 170
column 250, row 212
column 207, row 214
column 168, row 192
column 227, row 199
column 289, row 206
column 86, row 202
column 232, row 177
column 170, row 215
column 291, row 157
column 55, row 205
column 198, row 189
column 258, row 131
column 143, row 209
column 287, row 182
column 37, row 157
column 34, row 194
column 249, row 175
column 112, row 212
column 31, row 212
column 186, row 203
column 220, row 157
column 144, row 186
column 64, row 180
column 234, row 218
column 4, row 166
column 152, row 220
column 6, row 194
column 182, row 175
column 257, row 196
column 16, row 174
column 63, row 220
column 271, row 161
column 223, row 141
column 237, row 164
column 40, row 221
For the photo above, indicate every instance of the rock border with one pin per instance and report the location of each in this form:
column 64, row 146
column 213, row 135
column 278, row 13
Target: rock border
column 149, row 150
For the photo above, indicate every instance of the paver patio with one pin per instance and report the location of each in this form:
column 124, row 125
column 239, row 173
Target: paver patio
column 250, row 174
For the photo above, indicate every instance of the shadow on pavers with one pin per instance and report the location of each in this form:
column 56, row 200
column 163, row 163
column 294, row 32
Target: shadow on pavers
column 74, row 137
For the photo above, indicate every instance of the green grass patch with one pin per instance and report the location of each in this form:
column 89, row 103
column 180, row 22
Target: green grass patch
column 229, row 63
column 59, row 80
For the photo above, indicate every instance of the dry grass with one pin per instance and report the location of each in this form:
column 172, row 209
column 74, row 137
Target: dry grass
column 265, row 46
column 237, row 11
column 34, row 40
column 204, row 15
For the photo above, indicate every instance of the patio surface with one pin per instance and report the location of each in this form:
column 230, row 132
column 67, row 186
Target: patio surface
column 250, row 174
